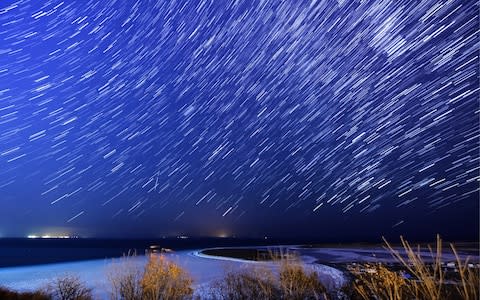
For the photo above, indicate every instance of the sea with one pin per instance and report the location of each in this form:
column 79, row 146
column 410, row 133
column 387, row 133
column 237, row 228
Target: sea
column 27, row 251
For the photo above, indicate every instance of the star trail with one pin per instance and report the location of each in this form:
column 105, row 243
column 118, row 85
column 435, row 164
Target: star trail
column 173, row 117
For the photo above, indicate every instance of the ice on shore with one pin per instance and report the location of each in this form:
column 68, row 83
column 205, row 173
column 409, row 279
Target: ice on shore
column 204, row 270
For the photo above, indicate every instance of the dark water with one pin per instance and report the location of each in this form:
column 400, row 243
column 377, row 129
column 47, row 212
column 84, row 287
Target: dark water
column 22, row 251
column 17, row 252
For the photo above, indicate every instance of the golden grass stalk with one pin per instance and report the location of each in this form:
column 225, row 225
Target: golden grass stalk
column 292, row 281
column 429, row 283
column 468, row 288
column 158, row 279
column 166, row 280
column 298, row 283
column 381, row 284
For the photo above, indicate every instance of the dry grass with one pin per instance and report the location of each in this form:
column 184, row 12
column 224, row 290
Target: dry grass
column 297, row 283
column 292, row 281
column 428, row 280
column 468, row 288
column 382, row 284
column 430, row 277
column 159, row 279
column 248, row 283
column 163, row 279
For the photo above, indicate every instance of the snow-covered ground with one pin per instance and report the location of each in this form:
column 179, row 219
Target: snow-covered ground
column 373, row 254
column 203, row 268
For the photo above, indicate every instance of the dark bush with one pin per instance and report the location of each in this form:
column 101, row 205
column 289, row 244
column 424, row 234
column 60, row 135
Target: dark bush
column 7, row 294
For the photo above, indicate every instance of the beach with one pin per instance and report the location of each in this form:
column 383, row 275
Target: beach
column 204, row 269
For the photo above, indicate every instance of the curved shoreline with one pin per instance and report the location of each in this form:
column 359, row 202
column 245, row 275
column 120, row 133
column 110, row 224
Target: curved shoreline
column 333, row 278
column 199, row 254
column 250, row 253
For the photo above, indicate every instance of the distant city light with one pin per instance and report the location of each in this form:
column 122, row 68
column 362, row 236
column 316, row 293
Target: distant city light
column 48, row 236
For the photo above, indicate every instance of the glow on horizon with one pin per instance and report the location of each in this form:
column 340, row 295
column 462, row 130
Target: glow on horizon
column 48, row 236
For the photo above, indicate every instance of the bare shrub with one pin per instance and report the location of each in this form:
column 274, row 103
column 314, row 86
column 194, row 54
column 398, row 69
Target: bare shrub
column 68, row 287
column 166, row 280
column 125, row 279
column 248, row 283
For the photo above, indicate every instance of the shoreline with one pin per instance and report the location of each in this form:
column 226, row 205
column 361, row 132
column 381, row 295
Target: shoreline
column 204, row 264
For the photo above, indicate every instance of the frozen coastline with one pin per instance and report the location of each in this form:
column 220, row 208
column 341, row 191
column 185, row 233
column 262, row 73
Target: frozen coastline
column 203, row 268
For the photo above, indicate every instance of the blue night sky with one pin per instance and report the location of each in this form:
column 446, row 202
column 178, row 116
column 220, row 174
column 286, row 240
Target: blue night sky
column 143, row 118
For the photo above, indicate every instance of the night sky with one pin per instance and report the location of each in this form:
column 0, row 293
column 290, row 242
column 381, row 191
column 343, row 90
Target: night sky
column 334, row 119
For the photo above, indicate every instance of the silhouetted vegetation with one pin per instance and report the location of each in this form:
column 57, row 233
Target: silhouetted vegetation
column 7, row 294
column 68, row 287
